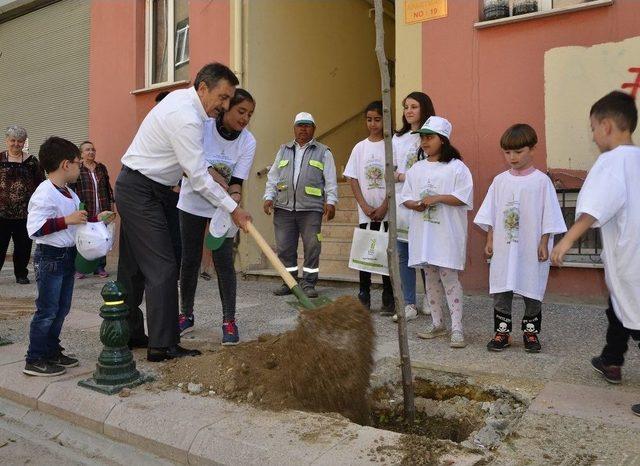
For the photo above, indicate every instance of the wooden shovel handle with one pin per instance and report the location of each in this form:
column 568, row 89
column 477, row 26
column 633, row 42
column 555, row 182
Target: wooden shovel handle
column 273, row 258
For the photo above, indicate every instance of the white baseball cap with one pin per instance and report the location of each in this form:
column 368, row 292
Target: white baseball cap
column 304, row 118
column 436, row 125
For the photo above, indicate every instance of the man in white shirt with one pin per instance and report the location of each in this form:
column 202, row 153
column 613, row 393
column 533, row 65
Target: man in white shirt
column 301, row 187
column 167, row 145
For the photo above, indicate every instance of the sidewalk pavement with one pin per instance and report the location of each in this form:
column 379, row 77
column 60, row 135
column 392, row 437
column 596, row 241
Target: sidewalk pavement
column 573, row 410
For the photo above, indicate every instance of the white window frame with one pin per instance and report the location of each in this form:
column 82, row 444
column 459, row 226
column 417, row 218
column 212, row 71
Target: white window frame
column 172, row 37
column 184, row 32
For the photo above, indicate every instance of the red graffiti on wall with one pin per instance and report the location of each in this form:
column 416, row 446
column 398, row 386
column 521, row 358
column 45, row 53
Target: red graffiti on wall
column 634, row 86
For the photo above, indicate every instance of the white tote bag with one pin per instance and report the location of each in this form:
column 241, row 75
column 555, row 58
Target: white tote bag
column 369, row 251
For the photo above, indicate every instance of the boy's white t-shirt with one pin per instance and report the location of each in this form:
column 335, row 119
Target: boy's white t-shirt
column 438, row 236
column 230, row 158
column 366, row 164
column 611, row 194
column 520, row 209
column 45, row 203
column 405, row 155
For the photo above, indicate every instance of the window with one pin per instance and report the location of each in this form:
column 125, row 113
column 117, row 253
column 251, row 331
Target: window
column 588, row 248
column 167, row 41
column 499, row 9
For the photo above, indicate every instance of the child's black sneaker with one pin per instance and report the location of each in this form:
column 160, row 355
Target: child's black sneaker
column 43, row 368
column 365, row 299
column 635, row 409
column 499, row 342
column 531, row 342
column 611, row 373
column 64, row 360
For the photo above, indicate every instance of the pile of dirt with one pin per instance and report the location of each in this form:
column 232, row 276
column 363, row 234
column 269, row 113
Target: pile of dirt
column 323, row 365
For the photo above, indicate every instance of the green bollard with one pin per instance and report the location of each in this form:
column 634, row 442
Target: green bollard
column 116, row 368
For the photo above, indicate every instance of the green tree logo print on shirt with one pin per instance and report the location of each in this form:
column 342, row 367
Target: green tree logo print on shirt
column 412, row 158
column 431, row 213
column 224, row 169
column 375, row 176
column 511, row 216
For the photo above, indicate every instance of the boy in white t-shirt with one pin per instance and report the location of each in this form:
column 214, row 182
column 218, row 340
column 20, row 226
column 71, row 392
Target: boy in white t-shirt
column 520, row 213
column 610, row 199
column 51, row 221
column 365, row 170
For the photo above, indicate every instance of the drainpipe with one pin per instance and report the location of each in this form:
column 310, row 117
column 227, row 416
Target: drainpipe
column 238, row 55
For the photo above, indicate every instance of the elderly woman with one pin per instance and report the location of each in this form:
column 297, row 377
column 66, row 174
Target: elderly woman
column 20, row 175
column 94, row 190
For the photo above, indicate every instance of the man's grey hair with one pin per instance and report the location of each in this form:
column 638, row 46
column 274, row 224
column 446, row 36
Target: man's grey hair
column 213, row 73
column 15, row 131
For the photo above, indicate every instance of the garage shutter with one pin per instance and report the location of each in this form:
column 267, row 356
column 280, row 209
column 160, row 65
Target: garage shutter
column 44, row 72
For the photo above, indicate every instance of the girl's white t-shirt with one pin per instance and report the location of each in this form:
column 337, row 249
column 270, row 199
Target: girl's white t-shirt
column 438, row 236
column 611, row 194
column 45, row 203
column 230, row 158
column 366, row 164
column 405, row 155
column 520, row 209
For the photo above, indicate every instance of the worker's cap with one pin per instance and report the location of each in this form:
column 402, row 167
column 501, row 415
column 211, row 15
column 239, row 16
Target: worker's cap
column 304, row 118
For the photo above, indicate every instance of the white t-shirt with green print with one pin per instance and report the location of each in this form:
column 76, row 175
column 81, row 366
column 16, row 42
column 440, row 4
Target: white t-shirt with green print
column 405, row 154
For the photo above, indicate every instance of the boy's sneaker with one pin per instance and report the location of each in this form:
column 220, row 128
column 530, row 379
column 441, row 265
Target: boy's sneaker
column 635, row 409
column 499, row 342
column 432, row 332
column 612, row 374
column 43, row 368
column 457, row 339
column 365, row 299
column 388, row 309
column 230, row 335
column 185, row 323
column 64, row 360
column 410, row 312
column 531, row 342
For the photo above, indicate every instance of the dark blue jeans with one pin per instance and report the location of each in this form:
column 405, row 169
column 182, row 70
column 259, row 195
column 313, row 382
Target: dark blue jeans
column 54, row 270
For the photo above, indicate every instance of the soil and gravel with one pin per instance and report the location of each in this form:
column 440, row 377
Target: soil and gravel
column 322, row 365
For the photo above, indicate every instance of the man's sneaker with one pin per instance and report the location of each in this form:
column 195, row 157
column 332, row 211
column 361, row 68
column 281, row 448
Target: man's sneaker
column 230, row 335
column 612, row 374
column 410, row 313
column 43, row 368
column 499, row 342
column 365, row 299
column 310, row 290
column 64, row 360
column 635, row 409
column 432, row 332
column 424, row 309
column 185, row 323
column 282, row 291
column 531, row 342
column 457, row 339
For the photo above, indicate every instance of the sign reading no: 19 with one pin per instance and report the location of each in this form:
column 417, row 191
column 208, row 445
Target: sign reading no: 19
column 416, row 11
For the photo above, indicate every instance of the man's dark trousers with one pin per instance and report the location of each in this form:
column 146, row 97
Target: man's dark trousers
column 147, row 263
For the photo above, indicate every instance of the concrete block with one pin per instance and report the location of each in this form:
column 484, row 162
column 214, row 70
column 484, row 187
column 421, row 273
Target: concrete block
column 24, row 389
column 12, row 353
column 268, row 438
column 81, row 320
column 360, row 441
column 78, row 405
column 164, row 424
column 607, row 405
column 13, row 410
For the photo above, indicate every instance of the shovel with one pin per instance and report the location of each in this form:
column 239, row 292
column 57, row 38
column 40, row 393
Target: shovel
column 303, row 299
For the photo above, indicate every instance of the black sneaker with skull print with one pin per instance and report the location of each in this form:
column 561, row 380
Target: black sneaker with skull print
column 531, row 342
column 499, row 342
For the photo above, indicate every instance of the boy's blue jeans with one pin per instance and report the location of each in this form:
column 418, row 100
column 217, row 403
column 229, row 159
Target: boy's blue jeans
column 54, row 270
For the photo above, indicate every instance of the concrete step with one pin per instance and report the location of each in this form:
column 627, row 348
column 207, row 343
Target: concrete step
column 344, row 190
column 346, row 203
column 340, row 230
column 345, row 216
column 331, row 246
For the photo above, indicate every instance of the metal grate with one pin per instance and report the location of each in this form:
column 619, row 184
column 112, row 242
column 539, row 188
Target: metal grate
column 588, row 248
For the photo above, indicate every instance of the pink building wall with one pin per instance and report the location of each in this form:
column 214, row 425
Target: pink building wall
column 485, row 80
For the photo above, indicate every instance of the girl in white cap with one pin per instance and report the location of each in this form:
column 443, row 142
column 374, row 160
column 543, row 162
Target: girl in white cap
column 439, row 191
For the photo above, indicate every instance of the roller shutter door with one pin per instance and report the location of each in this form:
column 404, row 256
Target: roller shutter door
column 44, row 72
